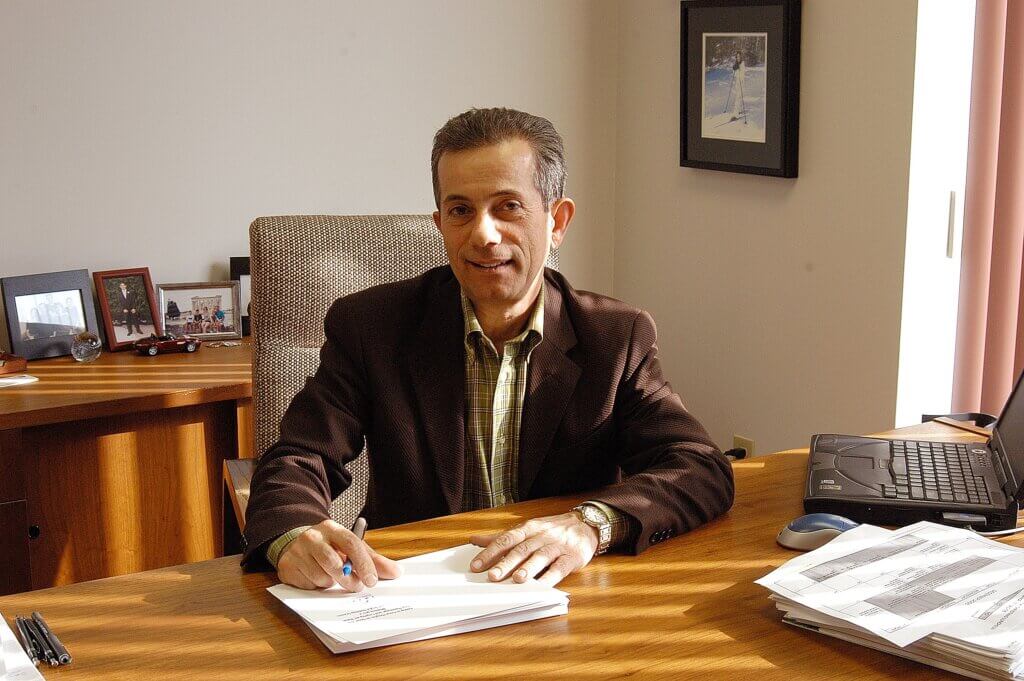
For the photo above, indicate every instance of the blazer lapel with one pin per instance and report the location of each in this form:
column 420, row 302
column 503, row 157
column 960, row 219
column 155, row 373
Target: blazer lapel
column 435, row 361
column 550, row 383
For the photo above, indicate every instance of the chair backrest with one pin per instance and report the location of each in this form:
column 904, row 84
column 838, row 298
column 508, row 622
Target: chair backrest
column 300, row 264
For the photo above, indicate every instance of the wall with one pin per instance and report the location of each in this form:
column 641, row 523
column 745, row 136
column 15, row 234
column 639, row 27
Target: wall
column 145, row 133
column 777, row 301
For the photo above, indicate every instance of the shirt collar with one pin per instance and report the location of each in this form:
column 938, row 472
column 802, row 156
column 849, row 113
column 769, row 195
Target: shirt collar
column 471, row 325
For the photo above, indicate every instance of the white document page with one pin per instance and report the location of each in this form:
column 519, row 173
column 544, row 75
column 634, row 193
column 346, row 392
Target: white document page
column 919, row 580
column 14, row 663
column 500, row 620
column 435, row 590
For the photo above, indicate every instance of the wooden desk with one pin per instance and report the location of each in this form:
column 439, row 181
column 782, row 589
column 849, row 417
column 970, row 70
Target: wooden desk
column 686, row 608
column 115, row 466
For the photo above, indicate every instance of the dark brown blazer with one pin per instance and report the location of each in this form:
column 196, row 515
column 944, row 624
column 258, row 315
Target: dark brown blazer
column 598, row 415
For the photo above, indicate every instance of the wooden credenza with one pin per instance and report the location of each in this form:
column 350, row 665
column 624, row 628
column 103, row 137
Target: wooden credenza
column 114, row 467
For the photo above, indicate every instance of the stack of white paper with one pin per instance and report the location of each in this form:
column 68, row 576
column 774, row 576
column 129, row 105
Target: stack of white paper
column 14, row 663
column 943, row 596
column 436, row 595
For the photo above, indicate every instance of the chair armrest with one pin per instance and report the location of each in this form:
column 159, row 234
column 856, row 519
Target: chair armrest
column 237, row 477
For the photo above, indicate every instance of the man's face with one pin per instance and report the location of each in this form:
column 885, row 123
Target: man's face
column 494, row 224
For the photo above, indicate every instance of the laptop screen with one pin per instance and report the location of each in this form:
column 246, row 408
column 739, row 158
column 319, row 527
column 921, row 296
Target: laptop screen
column 1008, row 435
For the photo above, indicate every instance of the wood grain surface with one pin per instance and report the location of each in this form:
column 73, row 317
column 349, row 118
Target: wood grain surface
column 685, row 609
column 115, row 466
column 117, row 495
column 123, row 382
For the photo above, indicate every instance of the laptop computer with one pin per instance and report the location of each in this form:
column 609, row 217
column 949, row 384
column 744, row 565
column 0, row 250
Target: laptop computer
column 899, row 482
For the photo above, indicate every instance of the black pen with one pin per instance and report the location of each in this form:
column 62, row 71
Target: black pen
column 59, row 651
column 27, row 642
column 48, row 653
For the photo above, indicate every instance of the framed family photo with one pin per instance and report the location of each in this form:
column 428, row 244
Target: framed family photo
column 127, row 306
column 46, row 311
column 205, row 310
column 740, row 86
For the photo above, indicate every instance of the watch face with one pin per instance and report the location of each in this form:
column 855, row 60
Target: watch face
column 593, row 515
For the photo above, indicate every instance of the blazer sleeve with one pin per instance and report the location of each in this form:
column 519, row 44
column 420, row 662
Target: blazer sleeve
column 676, row 479
column 321, row 433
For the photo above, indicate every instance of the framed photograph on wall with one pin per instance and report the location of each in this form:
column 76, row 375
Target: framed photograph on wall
column 240, row 273
column 202, row 309
column 46, row 311
column 127, row 306
column 740, row 86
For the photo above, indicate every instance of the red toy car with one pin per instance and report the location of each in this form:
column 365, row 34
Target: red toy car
column 166, row 343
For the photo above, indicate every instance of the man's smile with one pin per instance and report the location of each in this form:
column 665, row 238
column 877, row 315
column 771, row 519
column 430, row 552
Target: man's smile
column 490, row 265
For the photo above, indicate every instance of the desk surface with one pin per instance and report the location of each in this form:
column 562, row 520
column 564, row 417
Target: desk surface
column 686, row 608
column 125, row 382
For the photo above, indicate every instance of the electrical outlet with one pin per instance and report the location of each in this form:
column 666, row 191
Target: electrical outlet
column 740, row 442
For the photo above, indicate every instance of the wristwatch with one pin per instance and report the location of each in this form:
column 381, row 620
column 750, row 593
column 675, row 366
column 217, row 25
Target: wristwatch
column 596, row 518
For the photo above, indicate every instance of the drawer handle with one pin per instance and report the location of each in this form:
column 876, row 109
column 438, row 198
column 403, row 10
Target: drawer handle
column 33, row 531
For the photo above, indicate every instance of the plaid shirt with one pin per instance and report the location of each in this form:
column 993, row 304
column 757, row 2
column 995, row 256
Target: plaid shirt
column 495, row 388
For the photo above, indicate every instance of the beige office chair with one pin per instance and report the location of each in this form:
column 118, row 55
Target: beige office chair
column 299, row 266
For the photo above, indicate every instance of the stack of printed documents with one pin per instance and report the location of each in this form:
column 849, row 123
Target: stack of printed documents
column 939, row 595
column 436, row 596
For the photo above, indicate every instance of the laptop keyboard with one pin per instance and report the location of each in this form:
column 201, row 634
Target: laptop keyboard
column 934, row 471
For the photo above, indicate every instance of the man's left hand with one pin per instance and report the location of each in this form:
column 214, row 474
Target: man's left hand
column 561, row 543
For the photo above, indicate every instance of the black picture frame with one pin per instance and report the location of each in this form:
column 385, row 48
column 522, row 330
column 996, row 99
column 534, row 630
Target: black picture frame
column 239, row 269
column 41, row 326
column 744, row 135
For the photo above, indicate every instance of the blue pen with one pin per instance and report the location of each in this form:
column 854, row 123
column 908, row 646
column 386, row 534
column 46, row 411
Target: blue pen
column 358, row 529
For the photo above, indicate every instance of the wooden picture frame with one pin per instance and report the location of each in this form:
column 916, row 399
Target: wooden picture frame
column 124, row 322
column 199, row 309
column 46, row 311
column 740, row 86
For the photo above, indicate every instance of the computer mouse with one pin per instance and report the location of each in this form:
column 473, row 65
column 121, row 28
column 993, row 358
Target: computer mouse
column 810, row 531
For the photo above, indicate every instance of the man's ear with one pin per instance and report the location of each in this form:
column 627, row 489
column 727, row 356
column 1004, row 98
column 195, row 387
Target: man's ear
column 437, row 219
column 562, row 211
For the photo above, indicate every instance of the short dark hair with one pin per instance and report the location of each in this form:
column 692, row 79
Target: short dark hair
column 483, row 127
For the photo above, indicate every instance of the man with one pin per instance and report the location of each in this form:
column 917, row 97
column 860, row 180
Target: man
column 739, row 77
column 129, row 308
column 482, row 383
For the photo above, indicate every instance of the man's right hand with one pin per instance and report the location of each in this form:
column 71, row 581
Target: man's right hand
column 314, row 560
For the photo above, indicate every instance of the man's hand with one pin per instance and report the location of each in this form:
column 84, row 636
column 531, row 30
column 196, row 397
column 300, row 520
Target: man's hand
column 315, row 558
column 560, row 543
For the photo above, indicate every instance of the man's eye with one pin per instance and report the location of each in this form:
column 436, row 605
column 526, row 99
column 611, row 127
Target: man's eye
column 512, row 205
column 458, row 211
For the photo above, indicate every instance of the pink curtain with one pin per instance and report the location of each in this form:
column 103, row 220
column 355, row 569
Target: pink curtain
column 990, row 323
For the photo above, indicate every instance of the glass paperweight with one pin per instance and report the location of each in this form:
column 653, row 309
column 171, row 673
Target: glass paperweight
column 85, row 347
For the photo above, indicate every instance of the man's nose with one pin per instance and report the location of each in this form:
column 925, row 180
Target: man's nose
column 485, row 230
